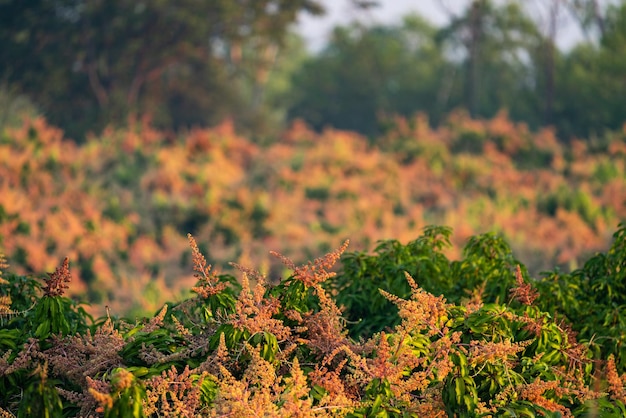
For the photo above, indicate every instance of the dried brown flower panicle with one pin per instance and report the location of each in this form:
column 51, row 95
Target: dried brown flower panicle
column 315, row 272
column 173, row 394
column 295, row 397
column 481, row 352
column 5, row 305
column 534, row 392
column 156, row 322
column 255, row 313
column 616, row 383
column 208, row 282
column 99, row 392
column 523, row 292
column 77, row 356
column 325, row 328
column 56, row 283
column 423, row 311
column 3, row 265
column 5, row 300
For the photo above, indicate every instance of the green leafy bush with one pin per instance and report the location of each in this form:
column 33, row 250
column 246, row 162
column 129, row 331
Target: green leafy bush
column 593, row 299
column 468, row 338
column 487, row 268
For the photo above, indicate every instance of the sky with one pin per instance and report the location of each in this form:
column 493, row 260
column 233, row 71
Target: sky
column 316, row 30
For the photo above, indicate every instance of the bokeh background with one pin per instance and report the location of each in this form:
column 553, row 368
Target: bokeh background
column 291, row 126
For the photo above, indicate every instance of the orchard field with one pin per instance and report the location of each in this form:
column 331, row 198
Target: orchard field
column 513, row 307
column 121, row 204
column 204, row 215
column 474, row 337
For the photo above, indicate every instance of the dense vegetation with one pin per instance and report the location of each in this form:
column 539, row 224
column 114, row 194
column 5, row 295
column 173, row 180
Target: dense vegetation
column 528, row 319
column 120, row 204
column 487, row 340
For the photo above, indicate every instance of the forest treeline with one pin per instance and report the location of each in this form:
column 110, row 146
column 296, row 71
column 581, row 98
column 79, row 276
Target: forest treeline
column 86, row 65
column 120, row 204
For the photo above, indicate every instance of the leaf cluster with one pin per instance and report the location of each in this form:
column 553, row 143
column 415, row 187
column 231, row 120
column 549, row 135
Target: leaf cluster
column 249, row 347
column 592, row 298
column 486, row 271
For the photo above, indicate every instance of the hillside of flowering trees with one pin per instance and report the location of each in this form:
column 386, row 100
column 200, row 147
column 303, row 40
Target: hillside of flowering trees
column 121, row 204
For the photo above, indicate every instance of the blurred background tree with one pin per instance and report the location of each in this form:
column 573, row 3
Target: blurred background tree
column 184, row 63
column 492, row 48
column 591, row 82
column 490, row 56
column 366, row 71
column 87, row 64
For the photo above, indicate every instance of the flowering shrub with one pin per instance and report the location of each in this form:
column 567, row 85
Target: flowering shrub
column 120, row 204
column 249, row 348
column 486, row 272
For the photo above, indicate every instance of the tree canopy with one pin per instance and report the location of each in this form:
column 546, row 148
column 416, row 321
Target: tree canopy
column 88, row 64
column 491, row 56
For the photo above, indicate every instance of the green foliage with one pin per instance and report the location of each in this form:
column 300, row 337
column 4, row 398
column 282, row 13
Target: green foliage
column 15, row 107
column 223, row 303
column 23, row 291
column 128, row 395
column 590, row 71
column 367, row 71
column 476, row 344
column 380, row 401
column 593, row 300
column 40, row 398
column 49, row 317
column 183, row 63
column 186, row 64
column 487, row 268
column 362, row 275
column 577, row 201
